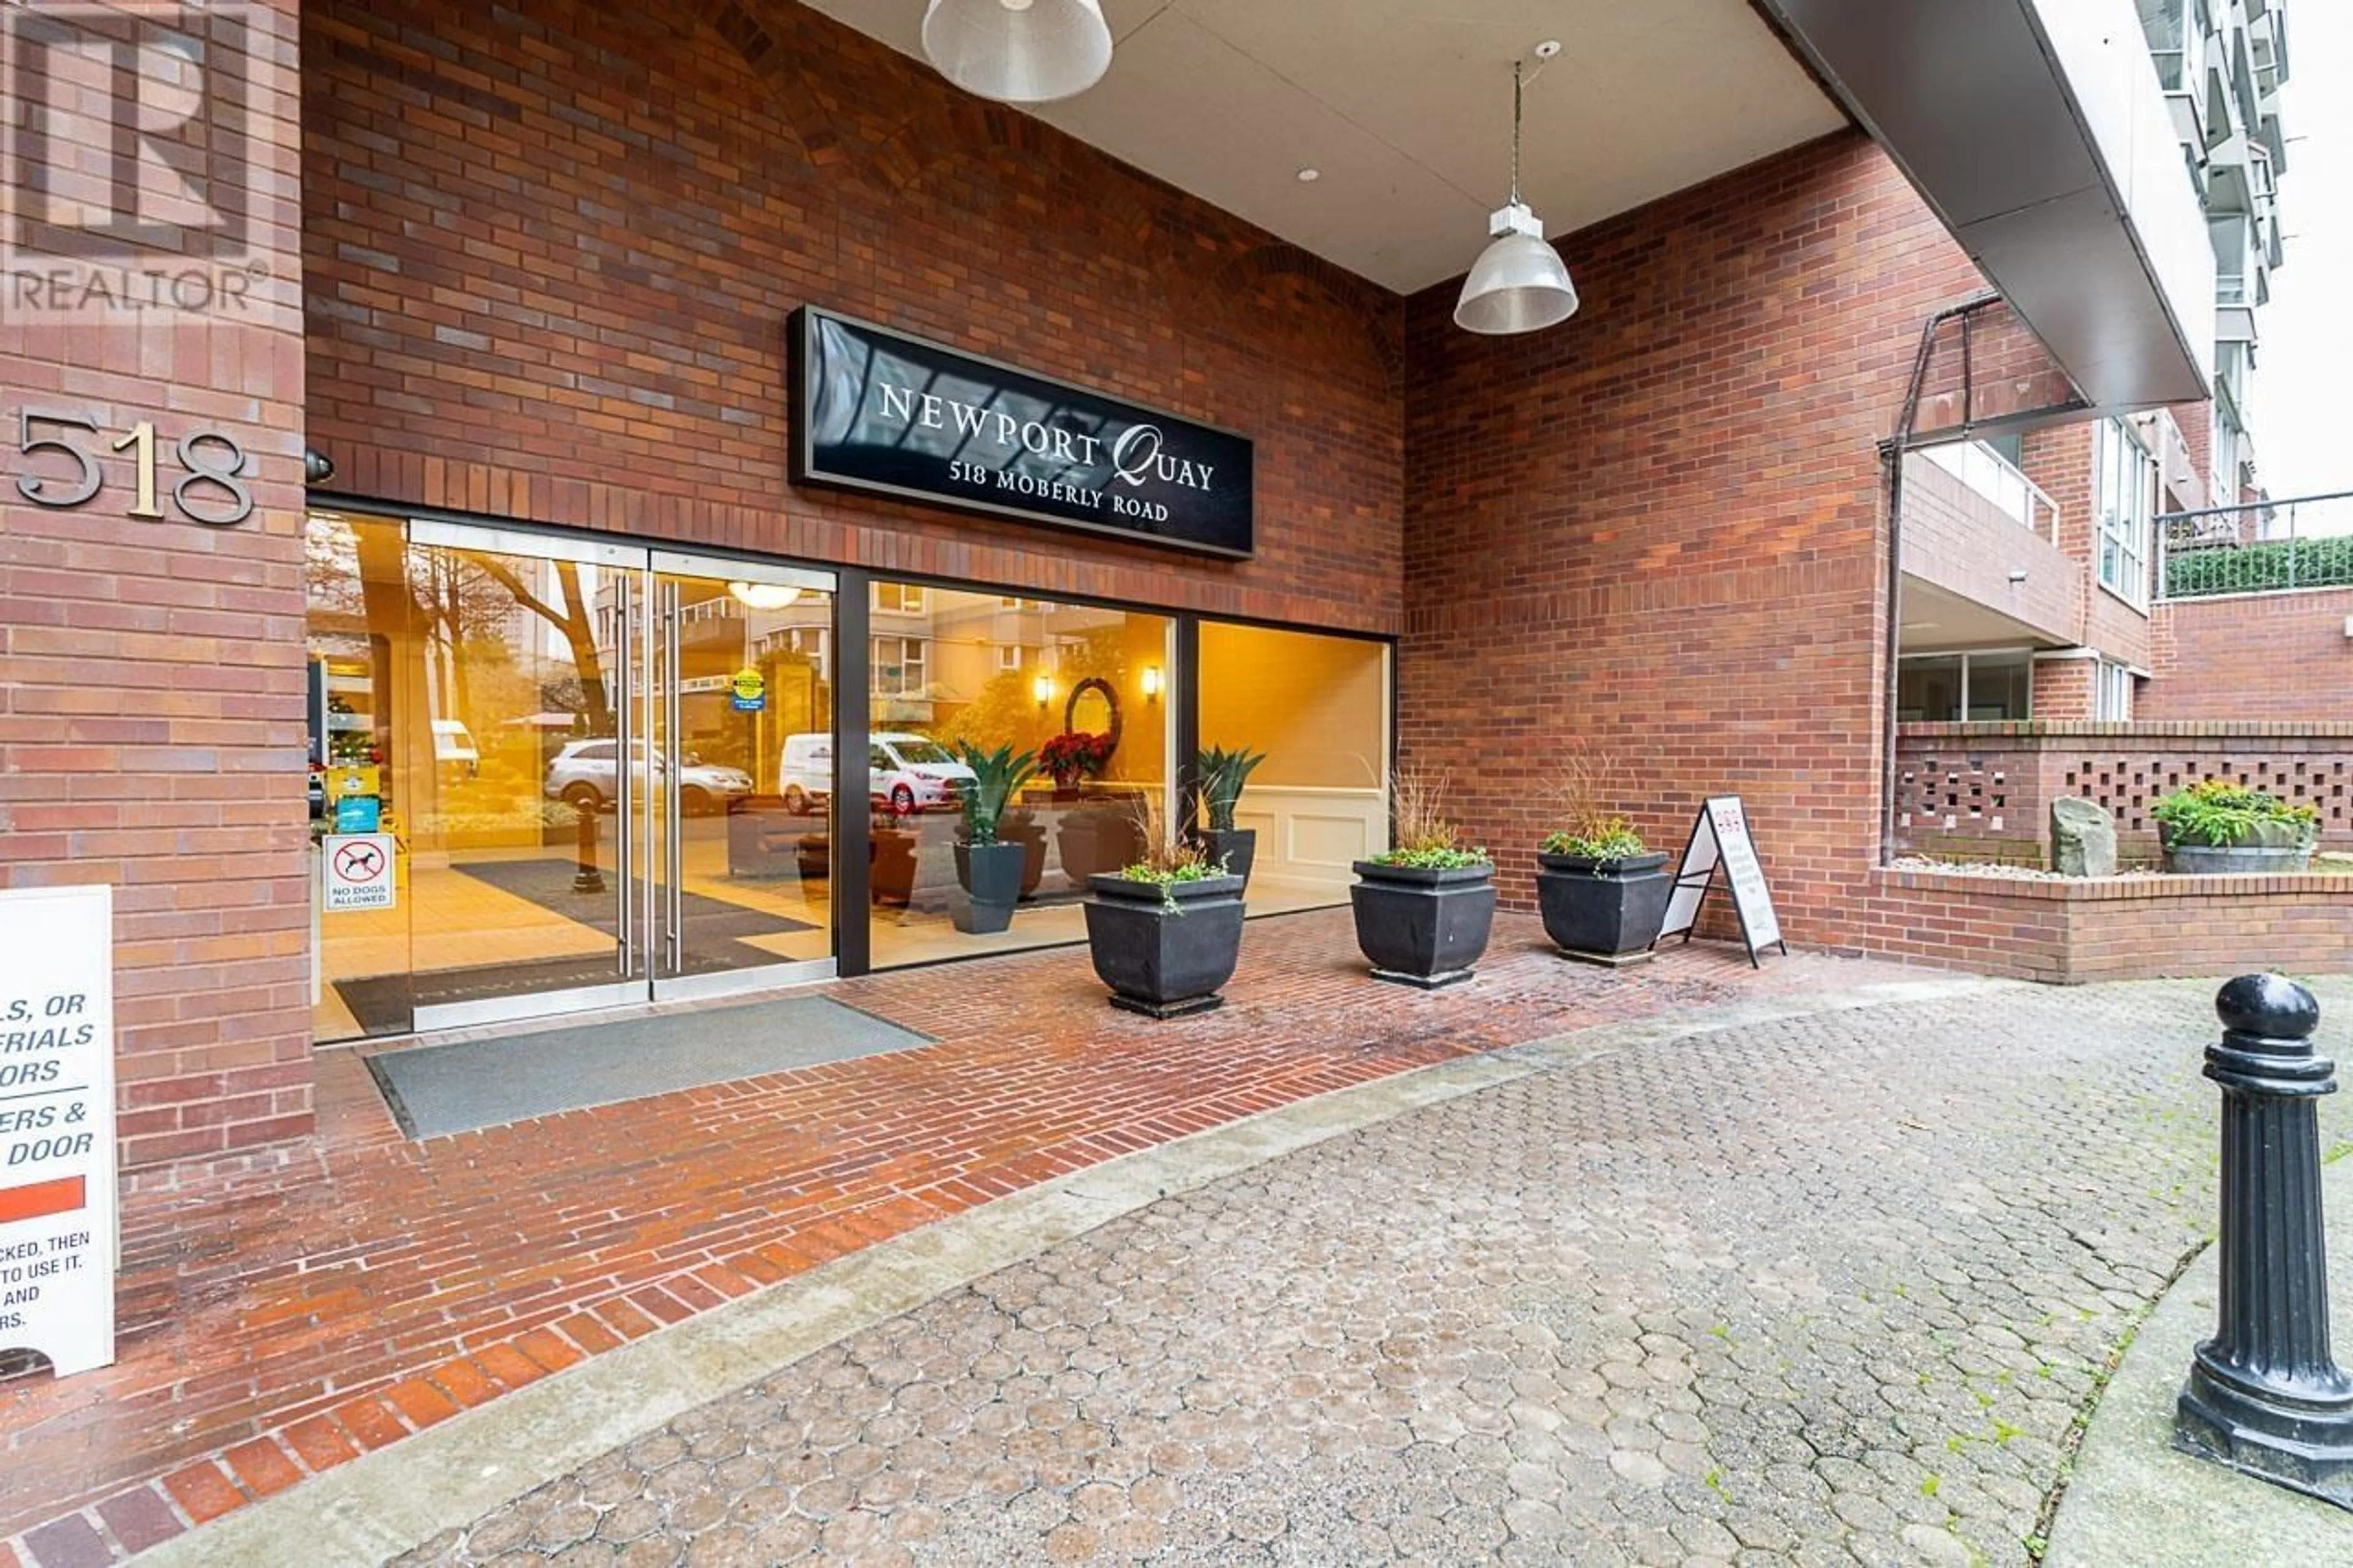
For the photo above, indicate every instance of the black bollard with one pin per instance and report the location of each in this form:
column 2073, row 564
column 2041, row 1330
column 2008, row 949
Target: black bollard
column 585, row 876
column 2265, row 1395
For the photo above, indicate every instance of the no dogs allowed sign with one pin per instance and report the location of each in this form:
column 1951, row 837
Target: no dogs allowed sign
column 358, row 872
column 57, row 1124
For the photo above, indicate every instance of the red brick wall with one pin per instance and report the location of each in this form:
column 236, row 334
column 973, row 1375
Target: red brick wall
column 1659, row 525
column 151, row 718
column 2253, row 656
column 1983, row 790
column 551, row 251
column 2075, row 933
column 2064, row 690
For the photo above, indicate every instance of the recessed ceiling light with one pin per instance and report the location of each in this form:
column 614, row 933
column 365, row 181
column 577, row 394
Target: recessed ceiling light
column 1309, row 176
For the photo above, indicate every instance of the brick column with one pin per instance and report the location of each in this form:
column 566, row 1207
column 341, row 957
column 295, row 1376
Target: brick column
column 151, row 634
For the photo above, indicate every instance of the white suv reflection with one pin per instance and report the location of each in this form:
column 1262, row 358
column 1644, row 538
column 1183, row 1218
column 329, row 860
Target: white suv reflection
column 585, row 773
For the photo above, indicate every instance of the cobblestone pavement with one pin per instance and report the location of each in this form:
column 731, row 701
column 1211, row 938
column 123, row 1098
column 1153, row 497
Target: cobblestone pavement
column 1821, row 1290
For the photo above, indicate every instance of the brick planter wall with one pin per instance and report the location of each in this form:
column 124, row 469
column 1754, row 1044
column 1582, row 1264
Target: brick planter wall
column 1983, row 790
column 2141, row 928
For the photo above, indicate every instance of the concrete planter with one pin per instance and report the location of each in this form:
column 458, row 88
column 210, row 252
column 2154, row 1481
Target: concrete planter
column 1160, row 962
column 1422, row 926
column 991, row 874
column 1603, row 911
column 2271, row 848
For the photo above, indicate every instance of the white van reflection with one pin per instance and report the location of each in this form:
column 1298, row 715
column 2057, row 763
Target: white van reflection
column 906, row 773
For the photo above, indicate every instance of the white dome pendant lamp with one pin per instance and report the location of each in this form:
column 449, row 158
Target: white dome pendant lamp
column 1019, row 51
column 1519, row 284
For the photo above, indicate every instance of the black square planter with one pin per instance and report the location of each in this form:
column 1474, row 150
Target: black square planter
column 1161, row 962
column 1604, row 912
column 1420, row 926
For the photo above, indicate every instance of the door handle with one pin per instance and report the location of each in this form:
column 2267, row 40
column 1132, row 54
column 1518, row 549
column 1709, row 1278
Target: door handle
column 674, row 761
column 625, row 768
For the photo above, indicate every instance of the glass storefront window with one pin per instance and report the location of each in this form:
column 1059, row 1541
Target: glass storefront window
column 989, row 670
column 1318, row 706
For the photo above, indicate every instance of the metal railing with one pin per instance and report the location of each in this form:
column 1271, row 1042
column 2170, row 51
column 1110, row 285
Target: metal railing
column 2268, row 547
column 2000, row 481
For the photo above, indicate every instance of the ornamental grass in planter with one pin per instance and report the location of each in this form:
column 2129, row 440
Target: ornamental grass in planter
column 1602, row 891
column 1164, row 931
column 989, row 868
column 1425, row 909
column 2217, row 825
column 1222, row 773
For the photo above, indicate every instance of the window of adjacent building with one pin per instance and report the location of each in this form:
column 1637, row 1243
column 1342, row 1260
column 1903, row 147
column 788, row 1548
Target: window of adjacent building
column 2126, row 485
column 1943, row 688
column 901, row 598
column 1008, row 657
column 900, row 664
column 2112, row 691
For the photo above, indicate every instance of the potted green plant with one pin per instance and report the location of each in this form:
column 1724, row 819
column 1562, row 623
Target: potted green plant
column 1164, row 931
column 2217, row 825
column 1424, row 908
column 1222, row 773
column 989, row 868
column 1601, row 890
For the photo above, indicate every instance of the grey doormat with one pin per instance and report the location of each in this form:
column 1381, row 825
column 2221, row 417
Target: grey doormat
column 435, row 1090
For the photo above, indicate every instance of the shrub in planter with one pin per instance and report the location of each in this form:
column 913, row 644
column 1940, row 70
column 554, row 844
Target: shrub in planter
column 2216, row 825
column 1425, row 909
column 1222, row 773
column 1602, row 891
column 988, row 869
column 1166, row 931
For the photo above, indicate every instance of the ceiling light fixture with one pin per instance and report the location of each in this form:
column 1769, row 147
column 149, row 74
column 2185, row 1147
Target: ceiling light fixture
column 1019, row 51
column 1519, row 284
column 762, row 596
column 1309, row 176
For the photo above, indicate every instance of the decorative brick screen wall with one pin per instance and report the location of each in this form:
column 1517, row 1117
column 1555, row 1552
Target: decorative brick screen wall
column 1983, row 790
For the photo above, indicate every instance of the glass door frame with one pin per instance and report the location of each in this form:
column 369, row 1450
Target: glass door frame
column 664, row 944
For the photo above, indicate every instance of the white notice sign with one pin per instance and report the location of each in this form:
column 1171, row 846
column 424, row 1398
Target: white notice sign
column 57, row 1124
column 358, row 870
column 1720, row 838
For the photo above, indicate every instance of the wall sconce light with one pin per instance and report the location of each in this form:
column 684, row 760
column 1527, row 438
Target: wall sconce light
column 1152, row 682
column 2018, row 574
column 1042, row 689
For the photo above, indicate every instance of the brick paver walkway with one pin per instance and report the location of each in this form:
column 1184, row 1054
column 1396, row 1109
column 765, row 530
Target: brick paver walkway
column 1823, row 1291
column 283, row 1314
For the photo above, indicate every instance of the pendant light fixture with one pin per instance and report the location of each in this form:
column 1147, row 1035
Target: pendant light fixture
column 1519, row 284
column 1019, row 51
column 763, row 595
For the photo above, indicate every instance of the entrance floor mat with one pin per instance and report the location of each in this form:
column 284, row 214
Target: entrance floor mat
column 435, row 1090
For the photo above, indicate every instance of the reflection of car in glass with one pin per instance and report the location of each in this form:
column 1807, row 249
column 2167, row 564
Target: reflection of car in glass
column 806, row 778
column 453, row 750
column 911, row 773
column 585, row 773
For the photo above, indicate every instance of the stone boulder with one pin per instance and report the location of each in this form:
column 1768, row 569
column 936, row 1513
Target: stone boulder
column 2082, row 839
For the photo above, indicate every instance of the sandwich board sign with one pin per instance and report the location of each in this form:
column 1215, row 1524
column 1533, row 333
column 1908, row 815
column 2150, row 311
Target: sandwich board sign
column 1720, row 841
column 57, row 1234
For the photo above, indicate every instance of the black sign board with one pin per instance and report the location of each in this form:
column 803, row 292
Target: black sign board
column 876, row 410
column 1719, row 839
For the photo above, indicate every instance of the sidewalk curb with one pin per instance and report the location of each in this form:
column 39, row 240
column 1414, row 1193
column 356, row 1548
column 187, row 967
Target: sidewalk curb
column 388, row 1502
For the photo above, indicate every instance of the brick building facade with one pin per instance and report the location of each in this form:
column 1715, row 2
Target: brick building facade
column 547, row 255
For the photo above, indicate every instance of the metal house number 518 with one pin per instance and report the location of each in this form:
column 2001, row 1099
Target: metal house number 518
column 210, row 490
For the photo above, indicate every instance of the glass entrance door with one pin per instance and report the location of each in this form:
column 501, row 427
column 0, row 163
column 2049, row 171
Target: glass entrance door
column 588, row 760
column 739, row 712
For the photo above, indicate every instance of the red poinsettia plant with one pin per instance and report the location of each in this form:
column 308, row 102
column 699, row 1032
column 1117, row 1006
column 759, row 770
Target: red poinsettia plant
column 1074, row 755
